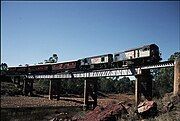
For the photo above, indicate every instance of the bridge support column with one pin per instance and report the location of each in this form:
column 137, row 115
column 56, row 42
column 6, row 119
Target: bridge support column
column 143, row 85
column 176, row 77
column 86, row 91
column 58, row 88
column 147, row 87
column 50, row 89
column 54, row 89
column 90, row 89
column 25, row 87
column 31, row 87
column 137, row 89
column 28, row 87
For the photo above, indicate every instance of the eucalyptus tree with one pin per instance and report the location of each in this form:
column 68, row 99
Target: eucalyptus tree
column 3, row 67
column 52, row 59
column 163, row 78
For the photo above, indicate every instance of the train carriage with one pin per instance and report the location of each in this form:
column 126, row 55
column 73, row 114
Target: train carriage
column 22, row 70
column 39, row 69
column 66, row 66
column 96, row 62
column 12, row 70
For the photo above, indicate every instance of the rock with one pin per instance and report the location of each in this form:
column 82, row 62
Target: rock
column 168, row 107
column 175, row 99
column 147, row 109
column 169, row 100
column 107, row 113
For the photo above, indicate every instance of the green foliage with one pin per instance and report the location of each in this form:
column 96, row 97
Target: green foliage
column 163, row 78
column 73, row 86
column 52, row 59
column 106, row 85
column 3, row 68
column 41, row 86
column 174, row 56
column 124, row 85
column 10, row 89
column 116, row 85
column 65, row 86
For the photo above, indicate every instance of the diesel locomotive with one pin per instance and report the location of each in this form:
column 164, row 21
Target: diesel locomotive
column 148, row 54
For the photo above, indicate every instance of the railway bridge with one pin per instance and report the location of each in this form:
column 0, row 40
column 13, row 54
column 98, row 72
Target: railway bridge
column 142, row 75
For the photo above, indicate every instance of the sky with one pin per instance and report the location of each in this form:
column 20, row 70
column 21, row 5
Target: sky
column 32, row 31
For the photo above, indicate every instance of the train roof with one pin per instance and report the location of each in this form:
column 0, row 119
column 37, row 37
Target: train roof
column 29, row 65
column 44, row 64
column 64, row 62
column 137, row 48
column 141, row 47
column 16, row 66
column 96, row 56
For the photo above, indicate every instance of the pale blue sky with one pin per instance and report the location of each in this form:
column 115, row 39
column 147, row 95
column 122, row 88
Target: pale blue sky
column 32, row 31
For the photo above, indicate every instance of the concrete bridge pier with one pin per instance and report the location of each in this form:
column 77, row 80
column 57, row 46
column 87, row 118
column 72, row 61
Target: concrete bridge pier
column 143, row 85
column 176, row 90
column 90, row 89
column 54, row 89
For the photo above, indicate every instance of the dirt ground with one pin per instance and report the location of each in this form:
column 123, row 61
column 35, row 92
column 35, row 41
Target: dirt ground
column 18, row 102
column 22, row 101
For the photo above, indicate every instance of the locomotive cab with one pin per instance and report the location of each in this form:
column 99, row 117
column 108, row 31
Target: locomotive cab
column 154, row 53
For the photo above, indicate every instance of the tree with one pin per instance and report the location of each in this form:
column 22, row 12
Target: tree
column 106, row 85
column 174, row 56
column 163, row 81
column 52, row 59
column 3, row 68
column 55, row 57
column 124, row 85
column 69, row 86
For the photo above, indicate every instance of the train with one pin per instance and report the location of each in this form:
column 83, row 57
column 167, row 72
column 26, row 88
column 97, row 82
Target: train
column 144, row 55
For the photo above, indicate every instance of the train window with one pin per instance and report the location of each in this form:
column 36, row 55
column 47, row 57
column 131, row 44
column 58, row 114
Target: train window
column 102, row 59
